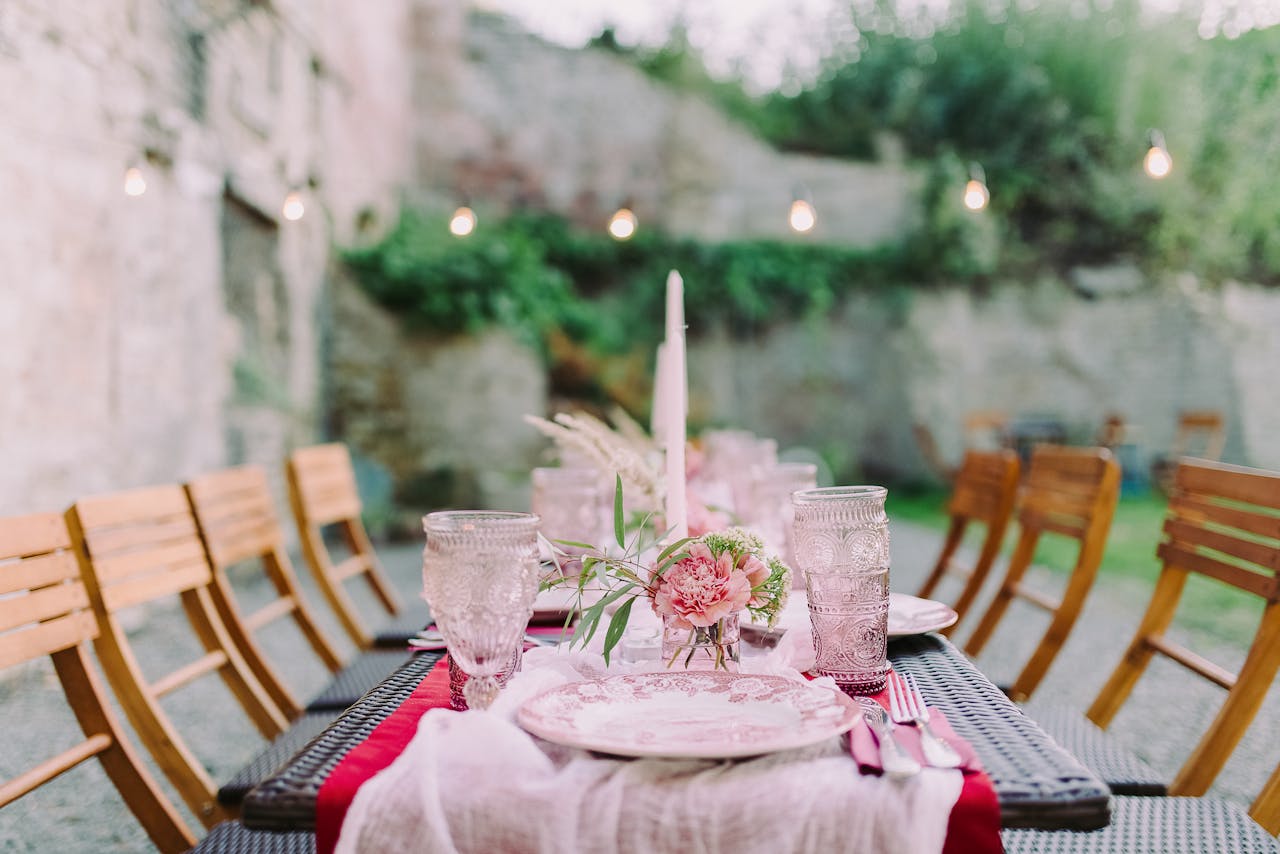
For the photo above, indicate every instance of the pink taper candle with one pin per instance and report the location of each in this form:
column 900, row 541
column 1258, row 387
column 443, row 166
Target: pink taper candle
column 675, row 403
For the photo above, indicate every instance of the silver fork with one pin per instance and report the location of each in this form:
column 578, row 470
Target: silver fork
column 907, row 706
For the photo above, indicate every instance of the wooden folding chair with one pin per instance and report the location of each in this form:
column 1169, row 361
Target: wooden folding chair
column 984, row 493
column 1224, row 523
column 141, row 546
column 44, row 610
column 322, row 493
column 1071, row 492
column 237, row 520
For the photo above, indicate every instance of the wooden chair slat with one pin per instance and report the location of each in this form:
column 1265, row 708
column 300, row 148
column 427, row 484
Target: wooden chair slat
column 170, row 580
column 227, row 486
column 1197, row 509
column 107, row 541
column 38, row 571
column 36, row 777
column 1195, row 537
column 148, row 561
column 1251, row 582
column 1194, row 662
column 32, row 534
column 248, row 508
column 333, row 508
column 1235, row 483
column 1051, row 503
column 275, row 609
column 188, row 673
column 43, row 604
column 1067, row 526
column 247, row 539
column 152, row 505
column 46, row 638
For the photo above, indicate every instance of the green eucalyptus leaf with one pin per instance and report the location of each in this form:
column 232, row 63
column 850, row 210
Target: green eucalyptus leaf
column 618, row 532
column 616, row 627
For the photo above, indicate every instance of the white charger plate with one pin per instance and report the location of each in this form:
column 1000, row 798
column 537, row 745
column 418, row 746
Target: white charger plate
column 908, row 615
column 688, row 715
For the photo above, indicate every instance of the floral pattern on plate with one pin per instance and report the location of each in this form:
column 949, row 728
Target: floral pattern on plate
column 688, row 715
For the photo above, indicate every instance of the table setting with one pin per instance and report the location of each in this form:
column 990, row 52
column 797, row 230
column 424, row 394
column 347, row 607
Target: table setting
column 707, row 678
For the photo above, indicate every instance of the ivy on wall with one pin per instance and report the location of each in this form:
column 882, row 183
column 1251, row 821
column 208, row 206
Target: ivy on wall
column 535, row 274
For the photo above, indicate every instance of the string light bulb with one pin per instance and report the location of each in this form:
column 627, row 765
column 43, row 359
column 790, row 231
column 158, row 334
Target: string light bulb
column 623, row 224
column 976, row 194
column 1157, row 164
column 802, row 217
column 135, row 183
column 463, row 221
column 293, row 207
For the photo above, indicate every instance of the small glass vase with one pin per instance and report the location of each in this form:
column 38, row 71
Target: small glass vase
column 714, row 647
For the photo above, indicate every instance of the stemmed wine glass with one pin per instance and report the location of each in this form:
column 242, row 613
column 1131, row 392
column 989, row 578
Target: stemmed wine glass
column 480, row 576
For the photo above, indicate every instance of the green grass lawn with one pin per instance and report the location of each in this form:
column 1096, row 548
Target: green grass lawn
column 1208, row 607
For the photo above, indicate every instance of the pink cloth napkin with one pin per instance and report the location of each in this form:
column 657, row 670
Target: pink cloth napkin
column 865, row 749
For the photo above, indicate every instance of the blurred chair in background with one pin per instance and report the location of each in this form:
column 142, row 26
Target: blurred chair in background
column 237, row 520
column 323, row 494
column 1070, row 492
column 984, row 493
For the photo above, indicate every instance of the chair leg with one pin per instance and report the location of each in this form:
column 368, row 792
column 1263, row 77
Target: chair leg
column 1228, row 727
column 1164, row 602
column 955, row 533
column 995, row 611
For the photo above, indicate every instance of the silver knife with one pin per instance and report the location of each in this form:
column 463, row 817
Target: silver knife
column 894, row 761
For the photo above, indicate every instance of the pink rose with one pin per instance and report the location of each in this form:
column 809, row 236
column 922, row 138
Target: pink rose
column 701, row 589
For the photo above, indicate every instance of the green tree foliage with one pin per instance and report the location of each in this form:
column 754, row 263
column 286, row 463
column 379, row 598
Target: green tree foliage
column 1054, row 100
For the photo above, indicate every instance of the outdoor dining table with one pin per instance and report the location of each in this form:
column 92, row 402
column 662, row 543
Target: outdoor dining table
column 1037, row 783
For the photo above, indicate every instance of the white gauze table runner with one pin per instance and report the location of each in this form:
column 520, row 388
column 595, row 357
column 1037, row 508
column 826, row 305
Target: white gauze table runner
column 476, row 782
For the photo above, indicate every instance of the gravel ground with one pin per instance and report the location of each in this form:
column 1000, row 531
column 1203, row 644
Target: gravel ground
column 80, row 811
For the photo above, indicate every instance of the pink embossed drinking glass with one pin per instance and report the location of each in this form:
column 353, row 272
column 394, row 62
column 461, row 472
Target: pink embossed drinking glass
column 841, row 542
column 480, row 575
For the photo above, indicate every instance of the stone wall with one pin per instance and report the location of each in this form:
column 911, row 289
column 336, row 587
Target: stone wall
column 853, row 385
column 148, row 338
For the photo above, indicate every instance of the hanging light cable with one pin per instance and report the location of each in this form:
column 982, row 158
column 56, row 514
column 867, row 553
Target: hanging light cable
column 976, row 194
column 1157, row 164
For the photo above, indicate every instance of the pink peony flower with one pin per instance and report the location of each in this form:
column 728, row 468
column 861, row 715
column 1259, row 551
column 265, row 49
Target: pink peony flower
column 701, row 589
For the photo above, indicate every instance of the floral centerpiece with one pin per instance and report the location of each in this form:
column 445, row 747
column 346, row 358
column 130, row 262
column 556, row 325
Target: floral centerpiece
column 698, row 586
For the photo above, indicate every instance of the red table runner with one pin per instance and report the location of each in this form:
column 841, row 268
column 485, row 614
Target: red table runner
column 972, row 828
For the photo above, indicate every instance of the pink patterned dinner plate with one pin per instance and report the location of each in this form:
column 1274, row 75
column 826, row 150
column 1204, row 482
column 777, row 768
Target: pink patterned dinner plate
column 688, row 715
